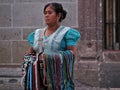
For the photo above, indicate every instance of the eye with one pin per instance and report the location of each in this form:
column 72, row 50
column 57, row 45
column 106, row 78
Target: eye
column 48, row 12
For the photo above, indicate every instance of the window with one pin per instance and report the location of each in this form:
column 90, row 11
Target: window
column 111, row 24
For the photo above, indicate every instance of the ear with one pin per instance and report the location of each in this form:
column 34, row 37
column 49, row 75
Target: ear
column 59, row 16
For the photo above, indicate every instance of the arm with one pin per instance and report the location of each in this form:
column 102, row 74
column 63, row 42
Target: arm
column 71, row 38
column 72, row 48
column 30, row 39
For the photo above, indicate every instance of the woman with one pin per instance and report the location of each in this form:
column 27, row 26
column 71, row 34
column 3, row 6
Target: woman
column 51, row 44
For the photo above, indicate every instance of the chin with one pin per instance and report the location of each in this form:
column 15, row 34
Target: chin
column 48, row 24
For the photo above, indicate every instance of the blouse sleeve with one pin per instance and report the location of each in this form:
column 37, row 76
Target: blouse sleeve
column 30, row 38
column 71, row 37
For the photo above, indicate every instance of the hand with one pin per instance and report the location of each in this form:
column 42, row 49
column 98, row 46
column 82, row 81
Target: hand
column 31, row 51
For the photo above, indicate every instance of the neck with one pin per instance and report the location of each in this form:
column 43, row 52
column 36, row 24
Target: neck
column 51, row 29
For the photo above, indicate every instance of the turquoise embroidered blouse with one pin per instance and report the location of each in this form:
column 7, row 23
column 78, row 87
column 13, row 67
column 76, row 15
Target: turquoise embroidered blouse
column 69, row 39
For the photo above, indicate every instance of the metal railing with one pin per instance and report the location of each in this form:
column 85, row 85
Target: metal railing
column 111, row 24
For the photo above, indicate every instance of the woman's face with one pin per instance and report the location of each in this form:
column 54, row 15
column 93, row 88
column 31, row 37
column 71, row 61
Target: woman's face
column 50, row 16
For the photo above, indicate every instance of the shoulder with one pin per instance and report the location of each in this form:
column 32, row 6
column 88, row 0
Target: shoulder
column 73, row 33
column 71, row 37
column 36, row 32
column 33, row 36
column 30, row 38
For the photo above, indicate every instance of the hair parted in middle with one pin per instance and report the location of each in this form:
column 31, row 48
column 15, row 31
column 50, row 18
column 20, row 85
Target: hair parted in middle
column 58, row 8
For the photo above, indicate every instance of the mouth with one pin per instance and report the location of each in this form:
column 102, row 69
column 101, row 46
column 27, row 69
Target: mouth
column 47, row 20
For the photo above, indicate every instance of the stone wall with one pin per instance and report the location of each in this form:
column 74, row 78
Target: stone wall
column 90, row 46
column 110, row 69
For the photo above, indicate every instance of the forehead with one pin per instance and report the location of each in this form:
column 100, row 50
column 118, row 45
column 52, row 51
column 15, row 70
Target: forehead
column 50, row 7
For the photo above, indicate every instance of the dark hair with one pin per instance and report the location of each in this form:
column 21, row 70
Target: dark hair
column 58, row 9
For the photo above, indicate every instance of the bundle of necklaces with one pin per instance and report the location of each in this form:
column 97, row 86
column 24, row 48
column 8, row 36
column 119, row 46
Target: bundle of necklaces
column 53, row 72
